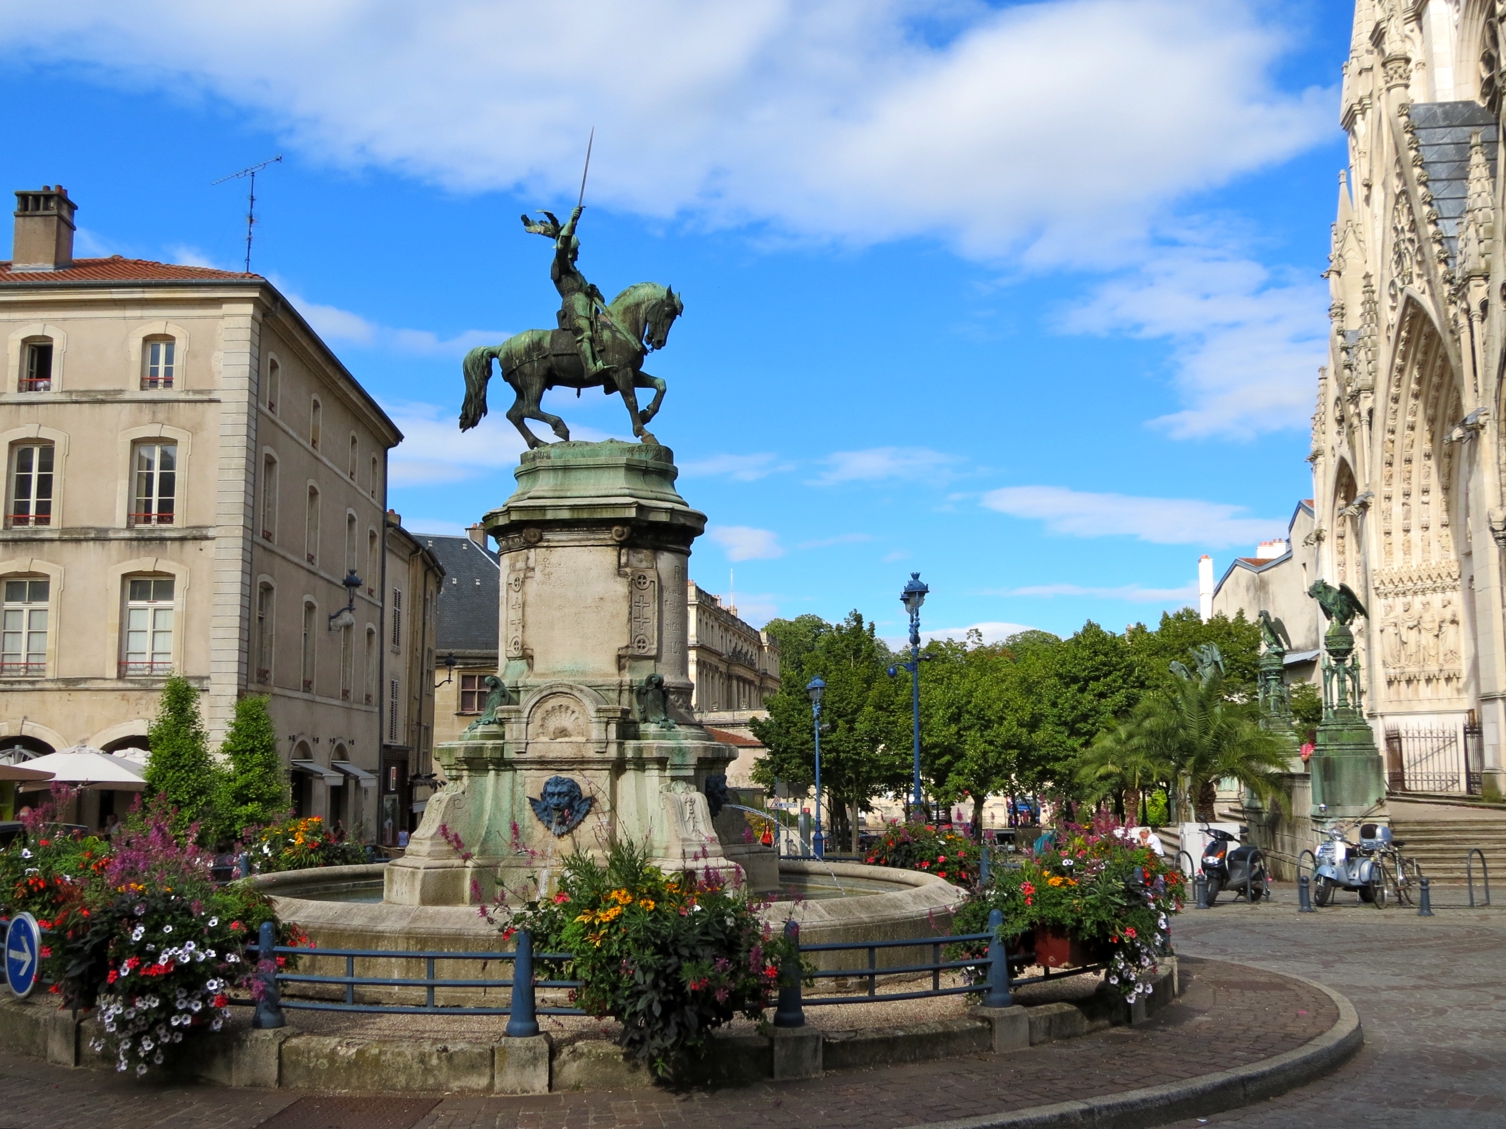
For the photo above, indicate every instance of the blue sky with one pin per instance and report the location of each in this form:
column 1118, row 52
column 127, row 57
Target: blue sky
column 1025, row 297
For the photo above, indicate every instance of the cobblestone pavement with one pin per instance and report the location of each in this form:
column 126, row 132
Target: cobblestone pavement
column 1431, row 993
column 1228, row 1016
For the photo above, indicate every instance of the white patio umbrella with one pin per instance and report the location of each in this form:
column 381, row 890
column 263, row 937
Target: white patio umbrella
column 86, row 767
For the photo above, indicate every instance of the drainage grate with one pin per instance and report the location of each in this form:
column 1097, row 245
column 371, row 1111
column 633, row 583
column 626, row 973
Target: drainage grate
column 351, row 1113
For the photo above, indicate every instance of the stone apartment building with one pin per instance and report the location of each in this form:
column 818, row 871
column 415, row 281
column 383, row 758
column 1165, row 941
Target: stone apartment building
column 194, row 483
column 412, row 579
column 734, row 666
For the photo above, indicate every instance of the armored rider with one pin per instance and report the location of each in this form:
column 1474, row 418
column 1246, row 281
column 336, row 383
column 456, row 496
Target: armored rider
column 579, row 299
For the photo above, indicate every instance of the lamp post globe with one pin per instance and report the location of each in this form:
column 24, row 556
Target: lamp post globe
column 815, row 688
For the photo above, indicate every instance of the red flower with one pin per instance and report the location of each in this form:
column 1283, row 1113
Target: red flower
column 114, row 976
column 46, row 951
column 44, row 842
column 924, row 865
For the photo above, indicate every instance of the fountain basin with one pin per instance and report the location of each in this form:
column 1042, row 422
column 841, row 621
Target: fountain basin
column 880, row 904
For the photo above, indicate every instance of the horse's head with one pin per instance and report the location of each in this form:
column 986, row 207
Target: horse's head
column 661, row 315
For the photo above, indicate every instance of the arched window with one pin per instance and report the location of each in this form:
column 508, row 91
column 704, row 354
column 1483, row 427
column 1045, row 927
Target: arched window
column 310, row 623
column 352, row 542
column 355, row 455
column 147, row 636
column 371, row 665
column 23, row 627
column 347, row 661
column 156, row 468
column 375, row 474
column 373, row 571
column 311, row 527
column 158, row 360
column 269, row 498
column 316, row 422
column 30, row 493
column 36, row 365
column 266, row 596
column 274, row 385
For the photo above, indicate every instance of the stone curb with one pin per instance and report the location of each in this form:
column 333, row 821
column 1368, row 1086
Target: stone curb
column 1193, row 1097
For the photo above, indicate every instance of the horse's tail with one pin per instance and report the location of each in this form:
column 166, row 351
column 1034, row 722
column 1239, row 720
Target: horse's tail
column 478, row 370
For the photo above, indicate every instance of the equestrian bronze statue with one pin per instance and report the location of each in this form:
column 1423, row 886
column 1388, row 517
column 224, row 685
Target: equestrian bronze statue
column 598, row 344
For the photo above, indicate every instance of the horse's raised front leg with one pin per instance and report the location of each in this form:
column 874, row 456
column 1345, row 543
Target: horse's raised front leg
column 644, row 380
column 624, row 378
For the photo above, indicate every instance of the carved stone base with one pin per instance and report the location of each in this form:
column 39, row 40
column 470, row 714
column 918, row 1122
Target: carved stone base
column 1348, row 777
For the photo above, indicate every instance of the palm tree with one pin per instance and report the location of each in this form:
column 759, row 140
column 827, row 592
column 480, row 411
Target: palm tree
column 1203, row 738
column 1113, row 764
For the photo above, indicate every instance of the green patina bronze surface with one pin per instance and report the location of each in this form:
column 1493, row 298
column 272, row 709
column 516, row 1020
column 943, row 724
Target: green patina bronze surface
column 1347, row 776
column 598, row 344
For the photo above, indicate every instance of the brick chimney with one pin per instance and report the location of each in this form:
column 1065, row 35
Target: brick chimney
column 476, row 534
column 44, row 230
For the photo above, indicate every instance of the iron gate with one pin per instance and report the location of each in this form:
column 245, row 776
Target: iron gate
column 1435, row 759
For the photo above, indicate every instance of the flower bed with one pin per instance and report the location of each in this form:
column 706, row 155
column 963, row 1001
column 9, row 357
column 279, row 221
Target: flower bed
column 297, row 844
column 135, row 927
column 1114, row 899
column 921, row 846
column 669, row 956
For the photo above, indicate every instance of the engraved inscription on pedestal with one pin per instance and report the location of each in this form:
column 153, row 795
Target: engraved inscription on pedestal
column 643, row 612
column 517, row 576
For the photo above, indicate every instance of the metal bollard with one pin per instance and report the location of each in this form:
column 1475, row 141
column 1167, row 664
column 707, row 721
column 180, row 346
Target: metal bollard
column 1425, row 902
column 789, row 1011
column 243, row 865
column 983, row 867
column 522, row 1014
column 996, row 993
column 1304, row 895
column 269, row 1008
column 1200, row 888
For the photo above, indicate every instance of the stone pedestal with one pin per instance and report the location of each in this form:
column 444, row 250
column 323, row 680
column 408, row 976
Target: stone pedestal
column 594, row 740
column 1348, row 778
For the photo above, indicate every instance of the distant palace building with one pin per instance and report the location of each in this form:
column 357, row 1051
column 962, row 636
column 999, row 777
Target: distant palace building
column 734, row 666
column 190, row 476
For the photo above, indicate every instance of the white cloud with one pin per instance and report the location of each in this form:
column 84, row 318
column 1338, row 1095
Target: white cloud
column 335, row 324
column 1132, row 592
column 190, row 256
column 434, row 449
column 896, row 555
column 1247, row 344
column 744, row 543
column 1164, row 521
column 739, row 468
column 1068, row 126
column 879, row 463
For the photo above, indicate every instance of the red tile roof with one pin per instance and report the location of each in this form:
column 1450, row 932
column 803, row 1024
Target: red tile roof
column 729, row 737
column 1257, row 560
column 117, row 269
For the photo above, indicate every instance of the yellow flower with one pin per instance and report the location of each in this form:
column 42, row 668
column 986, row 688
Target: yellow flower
column 1055, row 881
column 622, row 897
column 586, row 917
column 647, row 903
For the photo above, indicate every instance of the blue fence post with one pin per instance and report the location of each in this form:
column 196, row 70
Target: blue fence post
column 1425, row 903
column 522, row 1016
column 983, row 866
column 790, row 1011
column 1200, row 888
column 269, row 1007
column 997, row 992
column 243, row 865
column 1304, row 895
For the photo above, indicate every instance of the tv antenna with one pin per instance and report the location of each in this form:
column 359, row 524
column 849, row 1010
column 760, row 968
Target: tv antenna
column 250, row 199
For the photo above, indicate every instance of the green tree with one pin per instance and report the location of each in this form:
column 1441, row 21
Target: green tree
column 1196, row 734
column 1307, row 711
column 1237, row 639
column 253, row 787
column 180, row 767
column 864, row 749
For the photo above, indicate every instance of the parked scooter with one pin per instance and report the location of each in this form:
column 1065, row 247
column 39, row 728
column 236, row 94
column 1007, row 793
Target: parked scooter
column 1341, row 866
column 1231, row 865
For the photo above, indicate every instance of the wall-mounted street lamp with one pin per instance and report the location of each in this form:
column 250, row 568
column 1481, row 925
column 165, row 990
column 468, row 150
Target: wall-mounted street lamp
column 815, row 688
column 449, row 670
column 912, row 597
column 346, row 616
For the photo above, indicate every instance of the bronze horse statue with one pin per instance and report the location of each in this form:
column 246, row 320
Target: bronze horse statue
column 633, row 325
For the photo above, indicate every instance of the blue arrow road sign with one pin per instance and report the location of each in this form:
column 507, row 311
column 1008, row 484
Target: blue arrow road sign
column 22, row 949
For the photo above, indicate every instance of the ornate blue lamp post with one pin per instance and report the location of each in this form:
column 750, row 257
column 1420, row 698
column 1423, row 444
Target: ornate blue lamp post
column 814, row 688
column 912, row 597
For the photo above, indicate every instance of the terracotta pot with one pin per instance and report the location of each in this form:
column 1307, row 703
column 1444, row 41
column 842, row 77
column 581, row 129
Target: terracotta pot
column 1056, row 948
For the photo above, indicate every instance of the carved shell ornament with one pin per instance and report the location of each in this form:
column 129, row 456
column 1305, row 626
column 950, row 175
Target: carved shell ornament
column 559, row 720
column 561, row 805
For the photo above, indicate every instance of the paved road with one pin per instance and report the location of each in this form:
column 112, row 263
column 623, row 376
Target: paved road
column 1431, row 993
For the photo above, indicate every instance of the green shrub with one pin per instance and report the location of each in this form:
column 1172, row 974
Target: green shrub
column 920, row 846
column 181, row 769
column 253, row 787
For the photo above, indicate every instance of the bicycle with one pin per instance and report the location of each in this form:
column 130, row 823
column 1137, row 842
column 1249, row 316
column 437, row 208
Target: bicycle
column 1399, row 874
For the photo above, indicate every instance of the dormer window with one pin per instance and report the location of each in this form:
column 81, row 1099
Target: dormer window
column 158, row 360
column 36, row 366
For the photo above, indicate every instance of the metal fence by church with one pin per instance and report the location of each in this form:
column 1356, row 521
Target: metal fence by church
column 1437, row 758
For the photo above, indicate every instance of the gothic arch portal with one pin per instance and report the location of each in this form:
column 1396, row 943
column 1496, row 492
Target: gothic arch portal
column 1415, row 585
